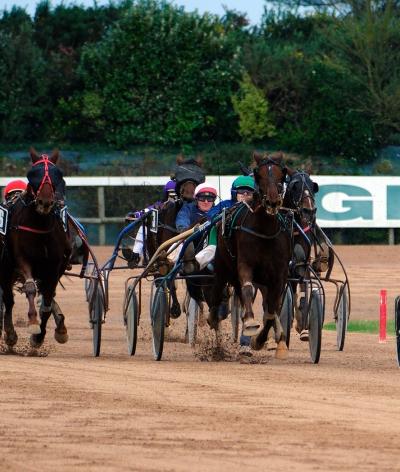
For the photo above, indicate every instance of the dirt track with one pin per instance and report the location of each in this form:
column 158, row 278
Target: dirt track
column 70, row 411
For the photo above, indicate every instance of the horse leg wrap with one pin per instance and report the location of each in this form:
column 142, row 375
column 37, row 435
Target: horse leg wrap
column 249, row 284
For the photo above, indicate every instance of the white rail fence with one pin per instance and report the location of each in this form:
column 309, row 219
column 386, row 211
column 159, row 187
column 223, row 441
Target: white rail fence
column 342, row 201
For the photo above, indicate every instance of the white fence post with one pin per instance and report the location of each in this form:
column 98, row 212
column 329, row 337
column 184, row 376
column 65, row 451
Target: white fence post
column 102, row 214
column 391, row 236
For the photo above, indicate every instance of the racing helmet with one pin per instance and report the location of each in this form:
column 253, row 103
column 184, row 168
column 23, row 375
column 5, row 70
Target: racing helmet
column 14, row 186
column 169, row 189
column 205, row 190
column 243, row 181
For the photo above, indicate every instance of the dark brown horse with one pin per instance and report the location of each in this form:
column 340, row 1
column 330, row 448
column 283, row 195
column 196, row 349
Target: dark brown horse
column 256, row 249
column 37, row 249
column 309, row 250
column 189, row 174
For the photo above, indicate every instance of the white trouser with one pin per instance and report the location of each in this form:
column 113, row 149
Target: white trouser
column 206, row 255
column 139, row 239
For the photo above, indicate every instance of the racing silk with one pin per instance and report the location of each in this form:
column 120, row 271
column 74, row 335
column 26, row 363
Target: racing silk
column 216, row 210
column 189, row 215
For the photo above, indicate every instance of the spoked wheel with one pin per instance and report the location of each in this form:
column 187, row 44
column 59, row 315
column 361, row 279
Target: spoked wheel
column 89, row 283
column 158, row 314
column 342, row 316
column 286, row 316
column 397, row 326
column 192, row 320
column 315, row 316
column 236, row 313
column 131, row 319
column 96, row 317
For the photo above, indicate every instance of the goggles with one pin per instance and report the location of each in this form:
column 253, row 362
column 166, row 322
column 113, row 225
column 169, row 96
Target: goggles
column 245, row 191
column 206, row 198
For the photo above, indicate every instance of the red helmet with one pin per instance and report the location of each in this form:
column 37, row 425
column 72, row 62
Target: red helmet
column 15, row 186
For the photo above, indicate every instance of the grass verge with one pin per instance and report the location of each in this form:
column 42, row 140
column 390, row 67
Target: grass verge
column 363, row 326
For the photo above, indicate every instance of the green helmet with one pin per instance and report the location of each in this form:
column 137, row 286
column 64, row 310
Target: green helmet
column 243, row 181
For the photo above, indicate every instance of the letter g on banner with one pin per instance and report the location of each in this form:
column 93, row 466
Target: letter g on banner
column 340, row 202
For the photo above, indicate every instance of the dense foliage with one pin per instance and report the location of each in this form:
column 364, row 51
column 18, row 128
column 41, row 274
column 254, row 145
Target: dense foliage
column 148, row 72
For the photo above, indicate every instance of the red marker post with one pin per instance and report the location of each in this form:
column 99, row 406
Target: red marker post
column 382, row 316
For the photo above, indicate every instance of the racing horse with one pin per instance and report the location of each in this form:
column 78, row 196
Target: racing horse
column 37, row 249
column 309, row 249
column 256, row 249
column 188, row 174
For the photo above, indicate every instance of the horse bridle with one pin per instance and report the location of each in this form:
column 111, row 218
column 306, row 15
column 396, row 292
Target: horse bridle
column 269, row 163
column 309, row 214
column 46, row 177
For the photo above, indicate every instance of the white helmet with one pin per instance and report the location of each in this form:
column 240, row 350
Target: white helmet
column 205, row 189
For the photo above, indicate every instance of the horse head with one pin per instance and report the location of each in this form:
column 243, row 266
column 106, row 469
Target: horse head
column 188, row 174
column 300, row 195
column 269, row 175
column 45, row 179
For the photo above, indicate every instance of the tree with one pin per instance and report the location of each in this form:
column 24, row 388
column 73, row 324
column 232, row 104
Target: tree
column 252, row 108
column 23, row 80
column 164, row 76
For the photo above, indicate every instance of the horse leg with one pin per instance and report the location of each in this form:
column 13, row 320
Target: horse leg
column 274, row 299
column 36, row 340
column 1, row 312
column 175, row 310
column 215, row 301
column 271, row 303
column 10, row 336
column 60, row 333
column 49, row 305
column 250, row 325
column 271, row 336
column 30, row 290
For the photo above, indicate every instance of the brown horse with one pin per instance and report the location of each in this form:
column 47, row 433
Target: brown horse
column 189, row 174
column 37, row 249
column 256, row 249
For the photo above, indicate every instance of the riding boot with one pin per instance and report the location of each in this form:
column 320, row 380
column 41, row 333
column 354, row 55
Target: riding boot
column 190, row 263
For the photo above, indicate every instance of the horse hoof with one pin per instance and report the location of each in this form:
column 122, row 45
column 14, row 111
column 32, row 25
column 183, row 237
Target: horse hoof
column 255, row 344
column 304, row 335
column 271, row 344
column 250, row 327
column 281, row 352
column 35, row 340
column 61, row 338
column 34, row 328
column 245, row 351
column 175, row 312
column 11, row 339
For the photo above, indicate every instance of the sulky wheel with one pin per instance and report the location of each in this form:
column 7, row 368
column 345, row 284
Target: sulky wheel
column 342, row 317
column 89, row 282
column 131, row 319
column 236, row 313
column 96, row 317
column 286, row 315
column 397, row 326
column 192, row 320
column 315, row 316
column 158, row 314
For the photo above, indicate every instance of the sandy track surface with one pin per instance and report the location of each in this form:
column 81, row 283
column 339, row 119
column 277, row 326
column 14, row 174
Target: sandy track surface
column 63, row 409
